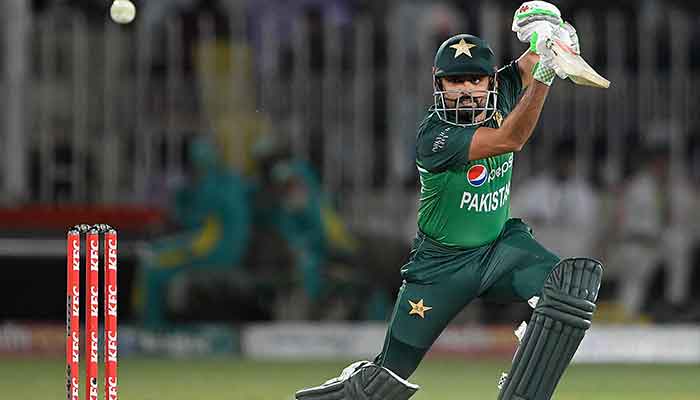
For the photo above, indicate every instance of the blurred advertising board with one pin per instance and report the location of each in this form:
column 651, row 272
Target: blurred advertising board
column 28, row 339
column 603, row 344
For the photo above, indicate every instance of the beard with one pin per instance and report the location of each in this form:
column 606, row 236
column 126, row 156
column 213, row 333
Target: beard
column 470, row 108
column 472, row 102
column 466, row 101
column 471, row 115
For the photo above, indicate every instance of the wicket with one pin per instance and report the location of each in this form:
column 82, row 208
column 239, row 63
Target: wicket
column 92, row 261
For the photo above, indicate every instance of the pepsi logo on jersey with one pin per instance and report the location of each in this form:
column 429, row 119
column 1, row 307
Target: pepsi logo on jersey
column 477, row 175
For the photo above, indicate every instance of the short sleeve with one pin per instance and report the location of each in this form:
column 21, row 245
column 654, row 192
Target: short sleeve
column 510, row 85
column 441, row 147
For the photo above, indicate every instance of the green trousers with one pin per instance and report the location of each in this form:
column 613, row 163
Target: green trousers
column 440, row 281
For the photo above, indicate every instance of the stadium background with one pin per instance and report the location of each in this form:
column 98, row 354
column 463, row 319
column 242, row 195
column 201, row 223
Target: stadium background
column 97, row 122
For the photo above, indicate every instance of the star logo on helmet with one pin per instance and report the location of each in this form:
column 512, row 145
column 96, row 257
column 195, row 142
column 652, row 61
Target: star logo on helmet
column 462, row 48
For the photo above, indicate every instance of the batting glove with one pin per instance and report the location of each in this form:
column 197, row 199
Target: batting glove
column 535, row 16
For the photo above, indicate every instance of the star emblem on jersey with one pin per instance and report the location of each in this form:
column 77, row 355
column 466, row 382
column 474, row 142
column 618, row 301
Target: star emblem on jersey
column 418, row 308
column 498, row 117
column 462, row 48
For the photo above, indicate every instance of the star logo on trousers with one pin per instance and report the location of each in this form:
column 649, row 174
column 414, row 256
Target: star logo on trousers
column 418, row 308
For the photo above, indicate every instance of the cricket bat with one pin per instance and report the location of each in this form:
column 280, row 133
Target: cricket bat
column 575, row 66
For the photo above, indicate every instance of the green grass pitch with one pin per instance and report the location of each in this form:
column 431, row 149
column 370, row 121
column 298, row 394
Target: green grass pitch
column 235, row 379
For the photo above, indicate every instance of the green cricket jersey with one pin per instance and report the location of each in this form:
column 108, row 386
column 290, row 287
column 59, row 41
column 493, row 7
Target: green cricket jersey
column 465, row 203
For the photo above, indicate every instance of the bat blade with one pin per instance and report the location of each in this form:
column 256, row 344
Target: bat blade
column 575, row 66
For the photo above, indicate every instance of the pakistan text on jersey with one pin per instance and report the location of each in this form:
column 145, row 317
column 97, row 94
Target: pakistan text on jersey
column 485, row 202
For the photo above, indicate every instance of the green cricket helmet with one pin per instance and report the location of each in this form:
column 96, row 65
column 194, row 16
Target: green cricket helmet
column 465, row 55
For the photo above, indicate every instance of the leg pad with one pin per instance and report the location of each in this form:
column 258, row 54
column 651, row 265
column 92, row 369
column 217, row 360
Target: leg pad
column 558, row 324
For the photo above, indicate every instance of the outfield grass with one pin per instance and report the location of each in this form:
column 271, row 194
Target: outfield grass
column 231, row 379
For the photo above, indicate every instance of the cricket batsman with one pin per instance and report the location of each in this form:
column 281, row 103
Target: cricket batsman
column 467, row 245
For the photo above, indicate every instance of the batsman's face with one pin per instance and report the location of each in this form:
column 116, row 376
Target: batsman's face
column 469, row 90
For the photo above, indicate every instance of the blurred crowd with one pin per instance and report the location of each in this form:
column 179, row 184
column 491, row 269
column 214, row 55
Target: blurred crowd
column 643, row 228
column 265, row 246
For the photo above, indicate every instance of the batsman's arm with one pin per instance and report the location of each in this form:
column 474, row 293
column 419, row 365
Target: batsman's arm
column 516, row 129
